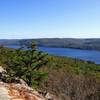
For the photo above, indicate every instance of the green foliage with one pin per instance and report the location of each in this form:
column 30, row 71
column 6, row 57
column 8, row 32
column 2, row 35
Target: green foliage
column 24, row 63
column 30, row 64
column 64, row 77
column 74, row 65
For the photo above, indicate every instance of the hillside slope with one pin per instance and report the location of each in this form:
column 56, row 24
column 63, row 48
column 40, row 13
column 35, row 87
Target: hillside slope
column 19, row 90
column 58, row 42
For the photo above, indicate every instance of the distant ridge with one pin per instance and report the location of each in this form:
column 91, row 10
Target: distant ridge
column 92, row 44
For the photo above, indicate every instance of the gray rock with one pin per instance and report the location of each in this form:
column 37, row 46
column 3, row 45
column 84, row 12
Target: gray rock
column 4, row 94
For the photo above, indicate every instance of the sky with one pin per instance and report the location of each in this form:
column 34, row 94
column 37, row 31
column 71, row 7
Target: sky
column 49, row 18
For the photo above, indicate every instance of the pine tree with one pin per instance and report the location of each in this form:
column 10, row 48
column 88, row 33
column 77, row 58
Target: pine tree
column 26, row 62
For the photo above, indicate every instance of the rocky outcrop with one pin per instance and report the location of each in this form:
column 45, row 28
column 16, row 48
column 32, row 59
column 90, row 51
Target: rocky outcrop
column 20, row 91
column 14, row 91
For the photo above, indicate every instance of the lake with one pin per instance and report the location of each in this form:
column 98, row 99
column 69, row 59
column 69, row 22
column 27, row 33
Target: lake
column 87, row 55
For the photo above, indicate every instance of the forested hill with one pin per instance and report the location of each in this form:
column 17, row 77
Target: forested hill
column 93, row 44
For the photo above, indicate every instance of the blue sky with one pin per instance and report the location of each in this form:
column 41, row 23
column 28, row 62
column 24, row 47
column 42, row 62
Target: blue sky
column 49, row 18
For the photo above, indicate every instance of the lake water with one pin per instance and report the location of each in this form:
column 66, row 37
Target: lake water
column 87, row 55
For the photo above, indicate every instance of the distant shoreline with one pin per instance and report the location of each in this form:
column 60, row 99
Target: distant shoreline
column 83, row 44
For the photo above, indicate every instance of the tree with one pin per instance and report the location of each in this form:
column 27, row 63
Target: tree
column 26, row 62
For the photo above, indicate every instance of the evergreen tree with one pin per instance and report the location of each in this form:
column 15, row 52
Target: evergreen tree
column 26, row 62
